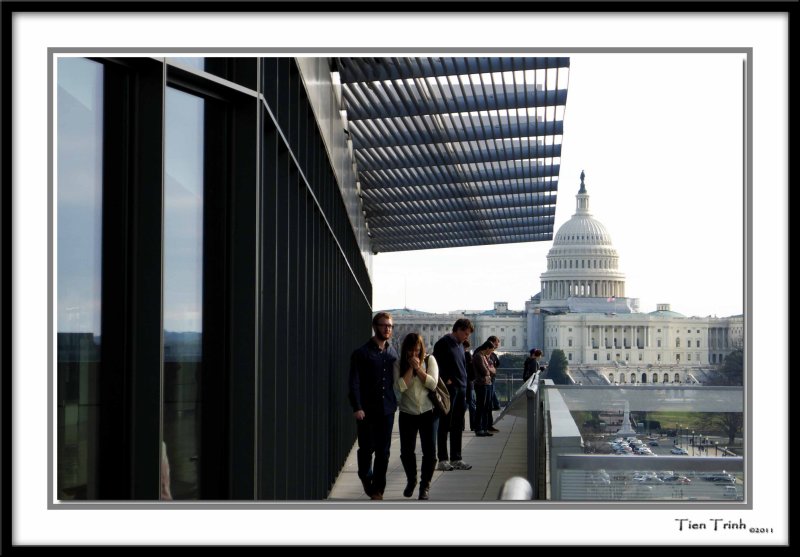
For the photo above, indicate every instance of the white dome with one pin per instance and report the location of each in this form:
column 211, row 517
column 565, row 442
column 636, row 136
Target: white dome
column 582, row 230
column 582, row 262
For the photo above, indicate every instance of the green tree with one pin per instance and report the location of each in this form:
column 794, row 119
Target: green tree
column 731, row 424
column 732, row 370
column 557, row 367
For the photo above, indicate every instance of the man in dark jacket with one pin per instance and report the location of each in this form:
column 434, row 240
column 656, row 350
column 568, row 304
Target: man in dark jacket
column 532, row 363
column 374, row 403
column 449, row 354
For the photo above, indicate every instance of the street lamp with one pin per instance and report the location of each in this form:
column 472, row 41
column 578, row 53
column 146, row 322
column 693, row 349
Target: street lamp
column 716, row 448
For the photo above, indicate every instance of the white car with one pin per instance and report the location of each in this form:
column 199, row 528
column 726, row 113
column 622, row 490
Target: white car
column 678, row 450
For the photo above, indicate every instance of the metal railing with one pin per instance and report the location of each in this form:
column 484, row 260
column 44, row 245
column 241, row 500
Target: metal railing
column 506, row 383
column 610, row 478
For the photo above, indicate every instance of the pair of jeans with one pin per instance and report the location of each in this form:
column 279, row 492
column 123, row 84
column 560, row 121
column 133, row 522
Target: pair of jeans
column 471, row 404
column 483, row 403
column 452, row 424
column 426, row 424
column 374, row 436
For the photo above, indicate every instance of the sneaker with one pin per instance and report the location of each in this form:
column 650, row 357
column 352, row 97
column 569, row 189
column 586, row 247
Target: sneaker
column 444, row 465
column 461, row 465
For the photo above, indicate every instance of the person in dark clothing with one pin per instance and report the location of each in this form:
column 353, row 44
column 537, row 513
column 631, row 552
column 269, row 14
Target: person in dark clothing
column 374, row 403
column 495, row 361
column 449, row 354
column 484, row 370
column 531, row 364
column 470, row 385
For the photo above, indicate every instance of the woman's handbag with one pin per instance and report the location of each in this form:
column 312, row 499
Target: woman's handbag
column 440, row 398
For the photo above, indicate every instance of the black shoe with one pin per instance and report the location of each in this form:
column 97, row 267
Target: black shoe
column 494, row 429
column 409, row 490
column 484, row 434
column 424, row 493
column 368, row 489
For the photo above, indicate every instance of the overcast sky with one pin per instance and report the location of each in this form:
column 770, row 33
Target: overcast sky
column 660, row 139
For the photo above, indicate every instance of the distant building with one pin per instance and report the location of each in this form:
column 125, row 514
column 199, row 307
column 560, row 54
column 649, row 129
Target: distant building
column 583, row 309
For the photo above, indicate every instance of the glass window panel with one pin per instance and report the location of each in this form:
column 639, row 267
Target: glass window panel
column 79, row 136
column 192, row 62
column 183, row 288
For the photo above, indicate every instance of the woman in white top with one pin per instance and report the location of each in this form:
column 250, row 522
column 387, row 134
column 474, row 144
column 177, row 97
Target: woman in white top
column 417, row 375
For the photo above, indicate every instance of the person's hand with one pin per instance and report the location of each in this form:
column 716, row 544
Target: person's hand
column 359, row 415
column 414, row 362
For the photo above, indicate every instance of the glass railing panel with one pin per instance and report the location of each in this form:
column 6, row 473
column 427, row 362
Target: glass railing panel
column 693, row 432
column 507, row 381
column 596, row 478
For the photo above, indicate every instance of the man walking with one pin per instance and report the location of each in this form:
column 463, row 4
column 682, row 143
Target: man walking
column 449, row 354
column 374, row 403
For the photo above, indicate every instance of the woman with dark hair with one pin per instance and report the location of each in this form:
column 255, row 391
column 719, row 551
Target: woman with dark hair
column 484, row 371
column 417, row 375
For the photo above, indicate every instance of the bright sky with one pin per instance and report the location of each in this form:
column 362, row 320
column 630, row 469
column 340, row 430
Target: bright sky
column 660, row 139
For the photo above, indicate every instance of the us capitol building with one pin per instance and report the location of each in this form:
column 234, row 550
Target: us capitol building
column 583, row 309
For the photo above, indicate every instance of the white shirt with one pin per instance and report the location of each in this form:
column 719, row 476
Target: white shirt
column 414, row 398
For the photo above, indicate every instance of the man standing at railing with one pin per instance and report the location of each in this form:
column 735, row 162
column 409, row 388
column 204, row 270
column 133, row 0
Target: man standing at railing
column 449, row 354
column 531, row 364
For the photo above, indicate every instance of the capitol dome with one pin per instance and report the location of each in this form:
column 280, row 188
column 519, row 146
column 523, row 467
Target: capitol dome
column 582, row 262
column 582, row 229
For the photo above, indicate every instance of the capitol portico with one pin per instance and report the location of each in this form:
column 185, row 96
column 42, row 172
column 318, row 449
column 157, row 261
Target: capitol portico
column 582, row 309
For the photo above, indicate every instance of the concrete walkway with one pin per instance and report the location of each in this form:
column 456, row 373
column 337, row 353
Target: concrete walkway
column 493, row 459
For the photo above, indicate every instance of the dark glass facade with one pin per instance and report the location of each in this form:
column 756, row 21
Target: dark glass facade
column 210, row 285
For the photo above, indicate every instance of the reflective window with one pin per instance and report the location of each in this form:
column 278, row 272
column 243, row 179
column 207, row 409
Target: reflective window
column 79, row 135
column 183, row 288
column 197, row 63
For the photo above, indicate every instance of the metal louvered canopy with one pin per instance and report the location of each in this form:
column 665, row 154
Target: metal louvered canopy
column 456, row 152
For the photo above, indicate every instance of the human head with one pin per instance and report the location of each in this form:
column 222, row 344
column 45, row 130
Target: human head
column 488, row 345
column 462, row 328
column 412, row 343
column 536, row 353
column 382, row 325
column 494, row 340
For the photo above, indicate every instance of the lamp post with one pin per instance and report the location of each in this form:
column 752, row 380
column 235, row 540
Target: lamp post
column 692, row 442
column 716, row 448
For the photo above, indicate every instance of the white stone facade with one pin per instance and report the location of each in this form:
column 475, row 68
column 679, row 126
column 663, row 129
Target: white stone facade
column 583, row 310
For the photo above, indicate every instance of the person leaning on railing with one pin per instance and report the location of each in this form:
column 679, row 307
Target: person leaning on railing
column 531, row 364
column 484, row 370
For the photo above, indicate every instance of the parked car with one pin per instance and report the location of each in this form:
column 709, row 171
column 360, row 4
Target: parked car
column 675, row 479
column 653, row 443
column 678, row 450
column 731, row 493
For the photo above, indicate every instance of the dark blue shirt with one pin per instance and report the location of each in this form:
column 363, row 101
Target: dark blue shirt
column 371, row 380
column 449, row 354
